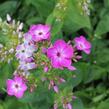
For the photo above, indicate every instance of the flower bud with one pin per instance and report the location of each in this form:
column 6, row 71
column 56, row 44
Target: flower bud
column 69, row 106
column 20, row 27
column 8, row 18
column 55, row 106
column 11, row 50
column 45, row 69
column 55, row 87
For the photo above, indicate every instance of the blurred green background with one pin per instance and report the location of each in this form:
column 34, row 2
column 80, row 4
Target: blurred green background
column 92, row 82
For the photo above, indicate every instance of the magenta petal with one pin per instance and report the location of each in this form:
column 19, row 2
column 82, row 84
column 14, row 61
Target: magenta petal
column 24, row 87
column 87, row 51
column 72, row 68
column 19, row 94
column 46, row 36
column 87, row 44
column 18, row 79
column 82, row 39
column 51, row 52
column 46, row 28
column 9, row 87
column 65, row 62
column 55, row 63
column 36, row 38
column 9, row 82
column 60, row 44
column 10, row 91
column 69, row 51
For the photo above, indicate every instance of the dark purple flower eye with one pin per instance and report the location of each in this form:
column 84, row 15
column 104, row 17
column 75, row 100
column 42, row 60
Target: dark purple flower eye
column 58, row 54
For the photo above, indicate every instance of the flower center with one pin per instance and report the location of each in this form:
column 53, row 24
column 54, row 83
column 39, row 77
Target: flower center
column 23, row 51
column 81, row 45
column 58, row 54
column 16, row 86
column 40, row 33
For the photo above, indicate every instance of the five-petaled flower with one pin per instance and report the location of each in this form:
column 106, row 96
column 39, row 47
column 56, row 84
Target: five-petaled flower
column 16, row 87
column 82, row 44
column 61, row 55
column 40, row 32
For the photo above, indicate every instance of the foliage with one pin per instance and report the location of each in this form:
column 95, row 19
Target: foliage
column 90, row 81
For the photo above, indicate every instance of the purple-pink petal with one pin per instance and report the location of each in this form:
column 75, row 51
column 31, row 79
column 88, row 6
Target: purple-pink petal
column 82, row 44
column 19, row 94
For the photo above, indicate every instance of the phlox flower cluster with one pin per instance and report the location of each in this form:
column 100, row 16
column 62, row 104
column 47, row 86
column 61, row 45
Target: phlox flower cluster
column 60, row 55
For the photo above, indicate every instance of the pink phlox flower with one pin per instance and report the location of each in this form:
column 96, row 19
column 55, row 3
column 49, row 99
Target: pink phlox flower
column 82, row 44
column 61, row 55
column 40, row 32
column 16, row 87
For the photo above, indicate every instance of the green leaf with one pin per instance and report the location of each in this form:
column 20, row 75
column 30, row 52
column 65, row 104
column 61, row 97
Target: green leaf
column 44, row 7
column 5, row 72
column 76, row 78
column 7, row 7
column 103, row 105
column 106, row 3
column 74, row 20
column 56, row 27
column 13, row 103
column 103, row 26
column 77, row 104
column 38, row 96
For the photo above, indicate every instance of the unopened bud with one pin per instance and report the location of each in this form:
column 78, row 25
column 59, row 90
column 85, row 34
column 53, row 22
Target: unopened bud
column 56, row 88
column 20, row 35
column 69, row 106
column 55, row 106
column 45, row 69
column 20, row 27
column 8, row 18
column 11, row 50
